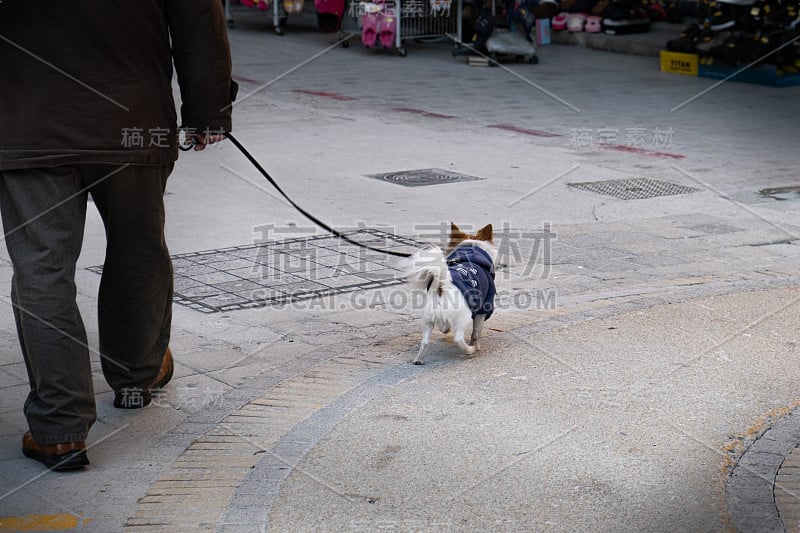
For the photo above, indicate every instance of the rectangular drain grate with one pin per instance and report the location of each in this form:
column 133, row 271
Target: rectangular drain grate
column 633, row 189
column 281, row 272
column 422, row 177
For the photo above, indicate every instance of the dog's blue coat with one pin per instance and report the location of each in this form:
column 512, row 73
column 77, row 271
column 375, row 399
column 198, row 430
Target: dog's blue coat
column 472, row 271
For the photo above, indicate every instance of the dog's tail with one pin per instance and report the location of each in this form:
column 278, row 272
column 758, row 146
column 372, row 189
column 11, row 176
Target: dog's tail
column 426, row 269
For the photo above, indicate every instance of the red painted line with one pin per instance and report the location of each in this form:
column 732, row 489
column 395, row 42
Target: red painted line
column 247, row 80
column 642, row 151
column 422, row 112
column 323, row 94
column 526, row 131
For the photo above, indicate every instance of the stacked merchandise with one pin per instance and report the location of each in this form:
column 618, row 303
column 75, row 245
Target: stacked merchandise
column 329, row 12
column 745, row 32
column 263, row 5
column 378, row 25
column 482, row 17
column 503, row 31
column 613, row 17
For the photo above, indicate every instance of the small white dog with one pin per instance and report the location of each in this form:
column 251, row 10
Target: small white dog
column 459, row 287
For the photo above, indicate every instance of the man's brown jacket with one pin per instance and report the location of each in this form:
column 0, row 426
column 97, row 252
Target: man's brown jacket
column 91, row 81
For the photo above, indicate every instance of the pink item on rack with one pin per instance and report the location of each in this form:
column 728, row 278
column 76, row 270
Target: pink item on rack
column 369, row 28
column 575, row 22
column 248, row 3
column 329, row 13
column 560, row 22
column 387, row 28
column 593, row 25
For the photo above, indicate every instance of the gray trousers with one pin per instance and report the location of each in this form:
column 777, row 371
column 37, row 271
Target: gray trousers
column 44, row 213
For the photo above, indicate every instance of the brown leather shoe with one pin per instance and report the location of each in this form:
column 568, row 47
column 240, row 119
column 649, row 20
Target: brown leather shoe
column 165, row 374
column 132, row 398
column 62, row 456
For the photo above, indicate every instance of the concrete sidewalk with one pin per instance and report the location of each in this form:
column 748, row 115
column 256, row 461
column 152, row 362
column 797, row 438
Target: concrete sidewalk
column 623, row 423
column 632, row 421
column 642, row 353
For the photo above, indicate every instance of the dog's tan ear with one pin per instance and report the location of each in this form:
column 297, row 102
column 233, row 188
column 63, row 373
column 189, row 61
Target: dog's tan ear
column 485, row 233
column 456, row 236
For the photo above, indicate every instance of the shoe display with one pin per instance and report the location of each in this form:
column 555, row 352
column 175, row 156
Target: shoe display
column 593, row 25
column 633, row 21
column 687, row 41
column 575, row 22
column 387, row 28
column 727, row 50
column 135, row 398
column 615, row 9
column 369, row 25
column 740, row 32
column 656, row 11
column 722, row 16
column 559, row 22
column 712, row 40
column 59, row 457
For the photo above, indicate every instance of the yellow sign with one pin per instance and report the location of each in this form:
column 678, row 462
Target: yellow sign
column 679, row 63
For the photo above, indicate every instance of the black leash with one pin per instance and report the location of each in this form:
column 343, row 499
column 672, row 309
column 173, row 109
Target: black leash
column 308, row 215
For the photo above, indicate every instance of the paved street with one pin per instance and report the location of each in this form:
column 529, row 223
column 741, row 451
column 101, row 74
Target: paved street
column 639, row 373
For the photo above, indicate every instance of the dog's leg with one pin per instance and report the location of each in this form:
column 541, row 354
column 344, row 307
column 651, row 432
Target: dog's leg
column 461, row 342
column 477, row 326
column 427, row 328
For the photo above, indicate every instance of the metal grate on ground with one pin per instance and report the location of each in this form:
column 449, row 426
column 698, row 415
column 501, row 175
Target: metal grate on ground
column 633, row 189
column 281, row 272
column 423, row 177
